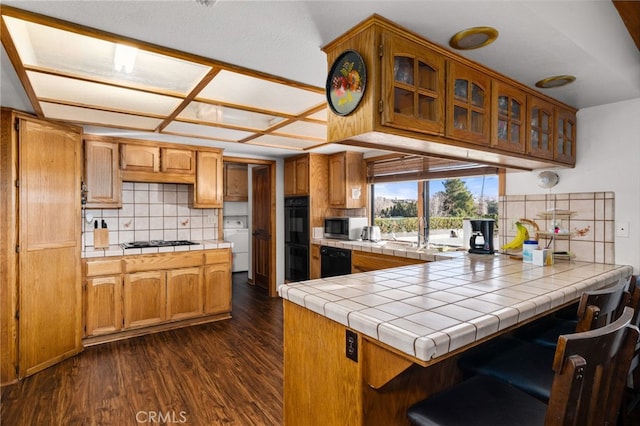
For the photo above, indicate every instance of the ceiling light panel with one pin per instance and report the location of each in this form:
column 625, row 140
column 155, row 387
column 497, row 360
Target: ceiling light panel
column 209, row 132
column 320, row 115
column 97, row 117
column 216, row 114
column 69, row 90
column 239, row 89
column 282, row 142
column 78, row 55
column 302, row 128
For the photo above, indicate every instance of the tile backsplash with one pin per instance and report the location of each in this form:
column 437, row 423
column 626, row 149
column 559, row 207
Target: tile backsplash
column 153, row 211
column 592, row 223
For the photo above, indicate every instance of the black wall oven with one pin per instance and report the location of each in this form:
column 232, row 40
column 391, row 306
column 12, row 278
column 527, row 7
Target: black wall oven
column 296, row 238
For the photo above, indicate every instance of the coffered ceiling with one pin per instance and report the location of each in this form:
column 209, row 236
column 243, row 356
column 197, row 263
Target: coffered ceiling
column 249, row 76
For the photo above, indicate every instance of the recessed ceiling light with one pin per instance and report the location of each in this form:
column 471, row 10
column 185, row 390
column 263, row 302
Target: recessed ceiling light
column 473, row 38
column 556, row 81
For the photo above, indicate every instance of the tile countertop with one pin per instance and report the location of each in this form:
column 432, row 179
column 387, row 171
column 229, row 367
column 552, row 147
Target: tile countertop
column 391, row 248
column 117, row 250
column 428, row 310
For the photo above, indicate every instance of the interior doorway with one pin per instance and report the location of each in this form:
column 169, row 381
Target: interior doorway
column 261, row 220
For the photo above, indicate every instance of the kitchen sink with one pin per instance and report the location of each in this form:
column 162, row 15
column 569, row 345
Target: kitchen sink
column 157, row 243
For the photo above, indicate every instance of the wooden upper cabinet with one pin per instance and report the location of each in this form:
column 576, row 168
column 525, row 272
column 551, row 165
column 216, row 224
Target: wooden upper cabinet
column 142, row 158
column 412, row 86
column 565, row 136
column 508, row 117
column 296, row 176
column 177, row 161
column 540, row 128
column 347, row 180
column 102, row 174
column 236, row 182
column 207, row 192
column 468, row 95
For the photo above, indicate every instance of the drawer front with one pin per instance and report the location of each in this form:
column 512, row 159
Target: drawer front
column 217, row 256
column 103, row 267
column 155, row 262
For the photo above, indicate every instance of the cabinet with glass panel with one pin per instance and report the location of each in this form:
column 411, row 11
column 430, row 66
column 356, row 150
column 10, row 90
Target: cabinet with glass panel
column 508, row 109
column 540, row 128
column 565, row 136
column 468, row 94
column 413, row 86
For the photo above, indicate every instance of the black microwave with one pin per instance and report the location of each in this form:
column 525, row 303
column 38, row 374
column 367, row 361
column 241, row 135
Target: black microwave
column 344, row 228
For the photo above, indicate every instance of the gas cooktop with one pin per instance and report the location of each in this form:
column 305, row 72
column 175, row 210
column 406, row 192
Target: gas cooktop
column 157, row 243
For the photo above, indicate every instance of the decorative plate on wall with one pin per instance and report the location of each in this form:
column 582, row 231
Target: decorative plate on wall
column 346, row 83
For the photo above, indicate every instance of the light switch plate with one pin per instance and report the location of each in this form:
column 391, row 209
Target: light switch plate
column 622, row 229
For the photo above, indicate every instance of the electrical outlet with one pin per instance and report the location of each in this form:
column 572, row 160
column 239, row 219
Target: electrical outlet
column 352, row 345
column 622, row 229
column 211, row 220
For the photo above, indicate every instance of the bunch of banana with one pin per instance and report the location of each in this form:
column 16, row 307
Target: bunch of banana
column 521, row 236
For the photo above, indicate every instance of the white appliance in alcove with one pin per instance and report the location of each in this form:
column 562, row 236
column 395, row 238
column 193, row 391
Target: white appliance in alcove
column 236, row 231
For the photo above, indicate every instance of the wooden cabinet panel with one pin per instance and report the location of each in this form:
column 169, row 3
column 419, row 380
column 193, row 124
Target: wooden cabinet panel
column 236, row 182
column 177, row 161
column 413, row 86
column 217, row 288
column 314, row 264
column 207, row 192
column 565, row 136
column 49, row 279
column 468, row 95
column 102, row 174
column 143, row 158
column 144, row 298
column 103, row 309
column 540, row 128
column 184, row 293
column 296, row 172
column 508, row 117
column 347, row 180
column 365, row 261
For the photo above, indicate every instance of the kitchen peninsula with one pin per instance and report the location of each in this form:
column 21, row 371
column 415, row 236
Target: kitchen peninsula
column 359, row 349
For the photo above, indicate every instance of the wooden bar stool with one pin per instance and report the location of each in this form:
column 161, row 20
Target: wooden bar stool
column 590, row 370
column 525, row 364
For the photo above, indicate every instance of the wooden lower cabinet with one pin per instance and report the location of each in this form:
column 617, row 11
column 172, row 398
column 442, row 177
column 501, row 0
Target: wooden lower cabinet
column 144, row 298
column 184, row 293
column 103, row 305
column 217, row 289
column 126, row 294
column 364, row 261
column 314, row 264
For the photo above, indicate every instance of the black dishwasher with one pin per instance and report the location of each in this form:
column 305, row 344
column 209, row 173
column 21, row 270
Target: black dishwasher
column 334, row 261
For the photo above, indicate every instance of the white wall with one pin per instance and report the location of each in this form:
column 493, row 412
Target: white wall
column 608, row 159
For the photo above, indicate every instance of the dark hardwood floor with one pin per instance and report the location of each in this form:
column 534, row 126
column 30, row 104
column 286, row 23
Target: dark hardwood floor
column 224, row 373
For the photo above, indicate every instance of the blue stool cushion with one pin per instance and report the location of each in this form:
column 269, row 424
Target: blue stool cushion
column 479, row 401
column 522, row 364
column 550, row 337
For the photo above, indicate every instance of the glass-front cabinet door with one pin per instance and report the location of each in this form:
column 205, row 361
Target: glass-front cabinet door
column 565, row 140
column 412, row 86
column 468, row 95
column 508, row 112
column 540, row 128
